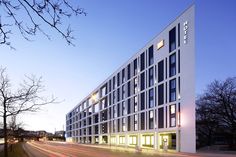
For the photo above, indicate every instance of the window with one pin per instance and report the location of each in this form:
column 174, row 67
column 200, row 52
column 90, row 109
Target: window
column 128, row 89
column 142, row 101
column 142, row 60
column 128, row 106
column 118, row 94
column 148, row 140
column 135, row 67
column 161, row 71
column 113, row 140
column 118, row 125
column 178, row 34
column 90, row 111
column 124, row 112
column 142, row 121
column 104, row 103
column 114, row 125
column 150, row 55
column 172, row 39
column 172, row 115
column 129, row 124
column 96, row 118
column 135, row 85
column 114, row 97
column 178, row 61
column 142, row 83
column 172, row 65
column 96, row 107
column 161, row 117
column 104, row 115
column 114, row 111
column 161, row 94
column 104, row 128
column 109, row 85
column 151, row 98
column 123, row 75
column 151, row 77
column 104, row 91
column 128, row 72
column 135, row 122
column 118, row 79
column 123, row 91
column 122, row 140
column 151, row 119
column 123, row 124
column 118, row 110
column 133, row 140
column 114, row 82
column 135, row 104
column 172, row 91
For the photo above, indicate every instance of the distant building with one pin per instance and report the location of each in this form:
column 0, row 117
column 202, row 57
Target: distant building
column 149, row 102
column 59, row 133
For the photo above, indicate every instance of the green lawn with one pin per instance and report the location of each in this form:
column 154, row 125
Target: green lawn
column 16, row 151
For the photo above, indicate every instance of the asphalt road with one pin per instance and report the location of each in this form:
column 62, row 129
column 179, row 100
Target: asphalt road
column 49, row 149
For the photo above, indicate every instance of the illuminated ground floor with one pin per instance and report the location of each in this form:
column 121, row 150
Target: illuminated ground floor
column 162, row 141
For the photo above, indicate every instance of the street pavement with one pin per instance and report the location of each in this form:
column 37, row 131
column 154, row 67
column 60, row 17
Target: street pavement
column 50, row 149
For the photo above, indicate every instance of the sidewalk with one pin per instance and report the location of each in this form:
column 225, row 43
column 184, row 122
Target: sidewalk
column 162, row 153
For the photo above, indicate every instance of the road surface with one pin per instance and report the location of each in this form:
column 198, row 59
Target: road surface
column 49, row 149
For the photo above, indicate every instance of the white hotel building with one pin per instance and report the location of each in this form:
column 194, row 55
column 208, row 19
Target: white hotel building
column 149, row 102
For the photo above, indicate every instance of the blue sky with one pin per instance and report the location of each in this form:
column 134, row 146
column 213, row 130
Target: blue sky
column 107, row 37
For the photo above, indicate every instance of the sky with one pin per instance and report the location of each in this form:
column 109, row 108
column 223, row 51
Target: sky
column 107, row 37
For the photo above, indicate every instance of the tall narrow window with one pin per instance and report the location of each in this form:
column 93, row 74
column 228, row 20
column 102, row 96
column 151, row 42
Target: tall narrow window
column 123, row 109
column 151, row 119
column 114, row 82
column 142, row 81
column 172, row 39
column 118, row 125
column 135, row 67
column 151, row 77
column 142, row 118
column 135, row 104
column 123, row 124
column 161, row 117
column 118, row 110
column 118, row 79
column 161, row 71
column 128, row 89
column 172, row 90
column 123, row 92
column 123, row 75
column 109, row 85
column 142, row 102
column 128, row 72
column 118, row 94
column 129, row 123
column 178, row 61
column 151, row 98
column 172, row 65
column 178, row 34
column 150, row 55
column 128, row 106
column 135, row 122
column 142, row 60
column 160, row 94
column 172, row 116
column 135, row 85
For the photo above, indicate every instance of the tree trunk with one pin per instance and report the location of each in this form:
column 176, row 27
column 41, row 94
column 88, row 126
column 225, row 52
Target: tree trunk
column 5, row 132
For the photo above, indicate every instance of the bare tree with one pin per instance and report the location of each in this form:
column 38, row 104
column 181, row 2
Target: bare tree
column 30, row 16
column 27, row 98
column 219, row 100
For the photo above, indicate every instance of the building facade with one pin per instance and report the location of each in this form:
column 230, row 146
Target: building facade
column 149, row 102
